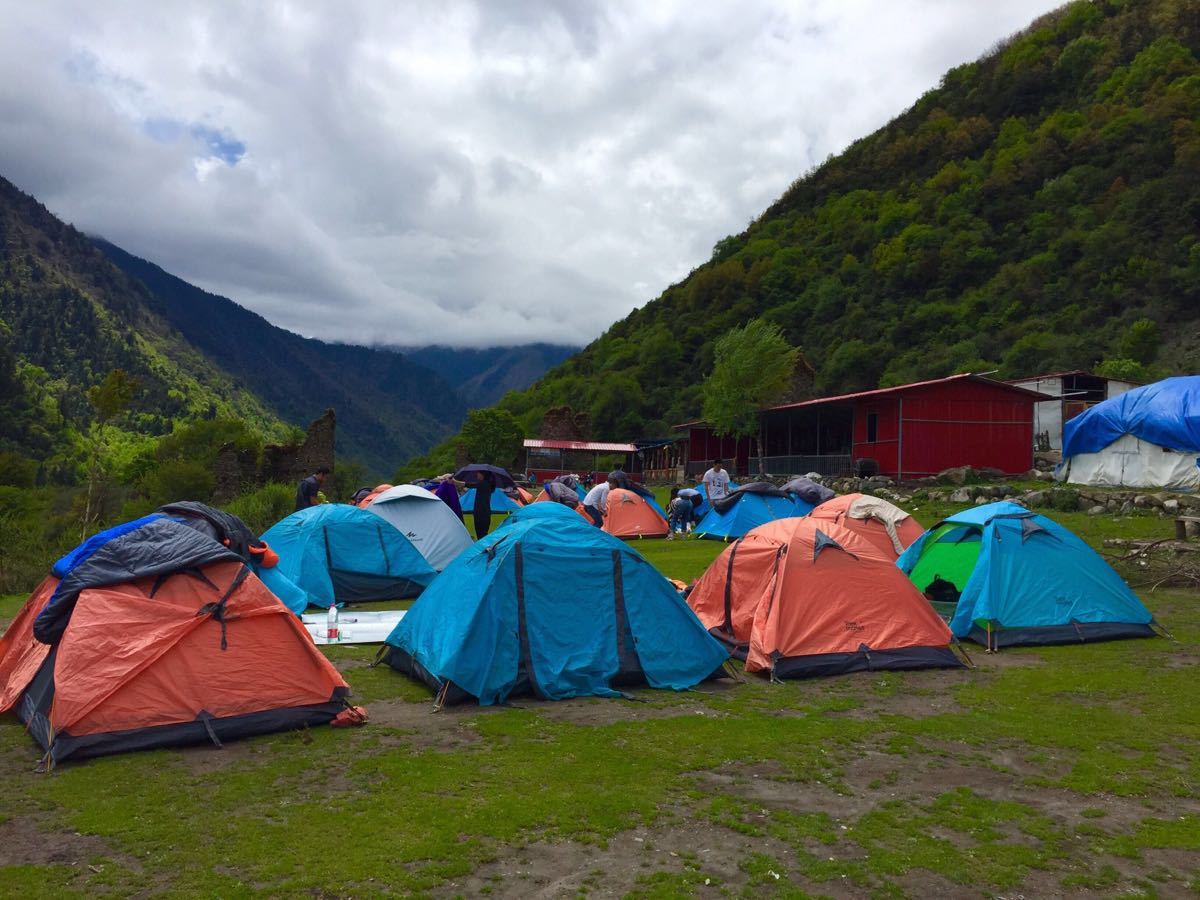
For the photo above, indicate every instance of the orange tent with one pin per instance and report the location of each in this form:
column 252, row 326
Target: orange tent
column 375, row 492
column 630, row 516
column 193, row 656
column 888, row 528
column 799, row 597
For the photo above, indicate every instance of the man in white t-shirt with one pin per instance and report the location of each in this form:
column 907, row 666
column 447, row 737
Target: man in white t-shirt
column 716, row 481
column 595, row 502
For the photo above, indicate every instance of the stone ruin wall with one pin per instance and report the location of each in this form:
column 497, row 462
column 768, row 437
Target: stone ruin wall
column 237, row 471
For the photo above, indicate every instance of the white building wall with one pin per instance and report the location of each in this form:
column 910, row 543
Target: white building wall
column 1047, row 415
column 1115, row 388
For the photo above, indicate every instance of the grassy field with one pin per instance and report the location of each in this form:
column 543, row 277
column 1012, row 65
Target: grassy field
column 1041, row 772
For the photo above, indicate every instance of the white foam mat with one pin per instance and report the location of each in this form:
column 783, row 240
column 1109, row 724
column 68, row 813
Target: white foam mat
column 353, row 627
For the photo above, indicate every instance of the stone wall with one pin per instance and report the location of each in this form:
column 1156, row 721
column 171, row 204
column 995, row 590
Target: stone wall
column 237, row 471
column 561, row 423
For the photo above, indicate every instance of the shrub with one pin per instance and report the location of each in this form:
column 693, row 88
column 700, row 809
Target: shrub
column 264, row 507
column 1063, row 500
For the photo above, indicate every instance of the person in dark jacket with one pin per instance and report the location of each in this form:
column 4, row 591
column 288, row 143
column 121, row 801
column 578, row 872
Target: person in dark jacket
column 306, row 492
column 484, row 488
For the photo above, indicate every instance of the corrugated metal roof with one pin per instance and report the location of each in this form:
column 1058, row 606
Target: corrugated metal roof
column 591, row 446
column 901, row 388
column 882, row 392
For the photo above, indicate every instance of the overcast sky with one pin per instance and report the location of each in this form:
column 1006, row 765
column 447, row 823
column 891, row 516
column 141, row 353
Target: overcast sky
column 451, row 172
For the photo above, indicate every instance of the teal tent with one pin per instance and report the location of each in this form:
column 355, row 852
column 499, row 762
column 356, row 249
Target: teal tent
column 340, row 553
column 551, row 606
column 744, row 509
column 502, row 504
column 1021, row 578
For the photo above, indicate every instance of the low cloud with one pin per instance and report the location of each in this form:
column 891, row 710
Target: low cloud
column 456, row 173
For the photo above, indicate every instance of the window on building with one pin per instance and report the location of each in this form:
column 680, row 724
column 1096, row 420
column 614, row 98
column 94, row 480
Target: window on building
column 872, row 427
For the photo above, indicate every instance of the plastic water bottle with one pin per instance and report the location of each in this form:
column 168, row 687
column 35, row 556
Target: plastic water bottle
column 331, row 623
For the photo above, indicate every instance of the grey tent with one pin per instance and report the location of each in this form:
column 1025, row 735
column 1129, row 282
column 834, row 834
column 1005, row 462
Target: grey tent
column 428, row 523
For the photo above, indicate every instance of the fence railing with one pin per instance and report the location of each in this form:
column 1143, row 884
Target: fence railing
column 831, row 465
column 827, row 464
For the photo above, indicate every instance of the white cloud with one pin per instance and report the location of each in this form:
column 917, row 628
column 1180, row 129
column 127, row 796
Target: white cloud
column 460, row 173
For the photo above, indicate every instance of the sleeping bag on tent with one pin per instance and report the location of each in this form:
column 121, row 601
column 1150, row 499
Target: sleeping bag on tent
column 340, row 553
column 551, row 606
column 744, row 509
column 1005, row 576
column 559, row 493
column 884, row 524
column 152, row 634
column 428, row 523
column 227, row 529
column 704, row 506
column 801, row 597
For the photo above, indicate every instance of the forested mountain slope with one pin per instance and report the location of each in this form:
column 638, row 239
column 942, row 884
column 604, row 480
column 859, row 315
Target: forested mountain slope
column 68, row 318
column 388, row 407
column 1020, row 217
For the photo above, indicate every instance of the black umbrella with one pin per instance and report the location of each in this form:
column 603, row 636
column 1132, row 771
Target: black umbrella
column 473, row 474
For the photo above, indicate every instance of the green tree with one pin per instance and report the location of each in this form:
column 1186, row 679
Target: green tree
column 1123, row 370
column 752, row 367
column 1141, row 342
column 492, row 436
column 110, row 398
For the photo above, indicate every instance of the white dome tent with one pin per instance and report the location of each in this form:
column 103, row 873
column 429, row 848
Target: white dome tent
column 1147, row 437
column 425, row 520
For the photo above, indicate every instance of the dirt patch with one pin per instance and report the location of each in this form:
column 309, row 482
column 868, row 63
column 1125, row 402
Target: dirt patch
column 609, row 711
column 546, row 869
column 25, row 842
column 447, row 729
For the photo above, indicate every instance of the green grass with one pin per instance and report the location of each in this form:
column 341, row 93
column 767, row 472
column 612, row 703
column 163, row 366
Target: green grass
column 1077, row 764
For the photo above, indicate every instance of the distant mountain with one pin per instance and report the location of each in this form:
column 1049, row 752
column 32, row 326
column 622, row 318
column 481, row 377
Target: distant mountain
column 388, row 407
column 483, row 376
column 68, row 317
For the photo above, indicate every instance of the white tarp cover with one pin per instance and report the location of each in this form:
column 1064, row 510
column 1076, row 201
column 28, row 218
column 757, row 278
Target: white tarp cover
column 354, row 627
column 425, row 520
column 1132, row 462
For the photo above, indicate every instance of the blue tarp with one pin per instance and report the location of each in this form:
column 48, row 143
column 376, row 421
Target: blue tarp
column 541, row 593
column 1166, row 413
column 1032, row 573
column 337, row 552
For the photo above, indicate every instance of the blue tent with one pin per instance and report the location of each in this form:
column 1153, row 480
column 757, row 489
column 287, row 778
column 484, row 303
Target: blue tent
column 1022, row 579
column 337, row 552
column 502, row 504
column 551, row 606
column 748, row 507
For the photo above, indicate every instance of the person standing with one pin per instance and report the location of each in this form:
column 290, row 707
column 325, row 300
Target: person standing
column 309, row 488
column 716, row 481
column 484, row 488
column 595, row 503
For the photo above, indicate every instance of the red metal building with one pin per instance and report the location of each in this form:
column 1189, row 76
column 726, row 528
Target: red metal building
column 911, row 430
column 908, row 431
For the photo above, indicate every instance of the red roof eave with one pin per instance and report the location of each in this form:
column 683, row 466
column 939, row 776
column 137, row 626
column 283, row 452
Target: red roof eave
column 902, row 388
column 590, row 446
